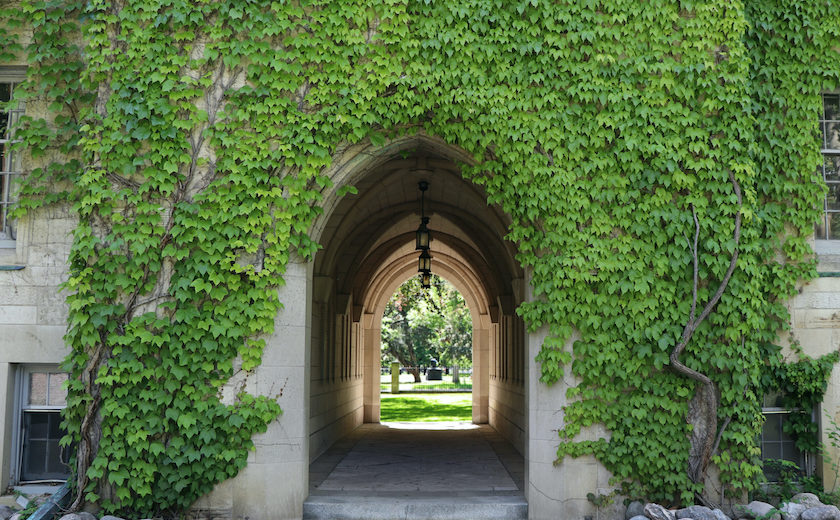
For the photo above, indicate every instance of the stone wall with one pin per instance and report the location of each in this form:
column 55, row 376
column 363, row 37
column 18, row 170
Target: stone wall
column 815, row 314
column 33, row 314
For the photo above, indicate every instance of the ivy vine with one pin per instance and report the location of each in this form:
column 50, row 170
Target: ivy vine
column 194, row 139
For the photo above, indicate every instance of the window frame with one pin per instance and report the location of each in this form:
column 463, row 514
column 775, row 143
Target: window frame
column 14, row 76
column 809, row 461
column 21, row 405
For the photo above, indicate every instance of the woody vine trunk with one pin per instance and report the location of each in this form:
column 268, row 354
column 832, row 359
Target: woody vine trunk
column 703, row 407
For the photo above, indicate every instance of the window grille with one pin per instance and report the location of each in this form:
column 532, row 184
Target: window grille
column 10, row 113
column 829, row 226
column 42, row 398
column 777, row 445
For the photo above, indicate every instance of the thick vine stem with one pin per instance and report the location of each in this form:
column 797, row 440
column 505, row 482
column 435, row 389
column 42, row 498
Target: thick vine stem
column 702, row 411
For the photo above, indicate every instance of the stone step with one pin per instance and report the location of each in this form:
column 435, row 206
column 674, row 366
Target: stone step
column 423, row 506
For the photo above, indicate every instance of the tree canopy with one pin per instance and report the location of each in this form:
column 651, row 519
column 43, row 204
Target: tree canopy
column 422, row 324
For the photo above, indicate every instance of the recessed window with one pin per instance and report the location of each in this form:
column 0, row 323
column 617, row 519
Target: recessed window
column 829, row 227
column 777, row 445
column 42, row 396
column 10, row 167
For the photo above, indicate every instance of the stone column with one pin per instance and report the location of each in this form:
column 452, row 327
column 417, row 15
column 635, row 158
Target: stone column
column 276, row 481
column 372, row 356
column 556, row 491
column 481, row 370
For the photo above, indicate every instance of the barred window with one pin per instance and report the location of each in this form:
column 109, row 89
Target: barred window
column 42, row 396
column 777, row 445
column 10, row 113
column 829, row 226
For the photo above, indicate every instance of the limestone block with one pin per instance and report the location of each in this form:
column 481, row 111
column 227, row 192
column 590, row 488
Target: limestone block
column 546, row 424
column 33, row 344
column 60, row 231
column 817, row 300
column 816, row 342
column 293, row 296
column 816, row 318
column 257, row 494
column 18, row 314
column 20, row 295
column 287, row 346
column 287, row 383
column 220, row 498
column 822, row 284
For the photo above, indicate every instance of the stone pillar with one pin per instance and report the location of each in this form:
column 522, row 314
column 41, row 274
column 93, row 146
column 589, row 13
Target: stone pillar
column 395, row 378
column 282, row 453
column 556, row 491
column 372, row 366
column 481, row 370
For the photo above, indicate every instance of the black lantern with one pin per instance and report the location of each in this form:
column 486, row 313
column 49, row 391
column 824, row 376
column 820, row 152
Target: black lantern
column 424, row 265
column 424, row 236
column 426, row 280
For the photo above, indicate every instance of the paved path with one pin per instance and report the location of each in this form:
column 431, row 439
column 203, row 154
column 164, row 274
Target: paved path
column 418, row 470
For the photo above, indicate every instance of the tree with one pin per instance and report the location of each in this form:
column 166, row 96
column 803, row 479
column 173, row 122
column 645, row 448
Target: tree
column 419, row 325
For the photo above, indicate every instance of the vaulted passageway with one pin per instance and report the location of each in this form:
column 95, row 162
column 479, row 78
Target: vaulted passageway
column 368, row 240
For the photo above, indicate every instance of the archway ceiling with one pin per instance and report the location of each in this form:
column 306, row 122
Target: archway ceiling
column 368, row 232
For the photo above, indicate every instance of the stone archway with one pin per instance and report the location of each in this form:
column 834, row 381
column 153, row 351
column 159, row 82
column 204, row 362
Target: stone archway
column 319, row 360
column 385, row 282
column 368, row 251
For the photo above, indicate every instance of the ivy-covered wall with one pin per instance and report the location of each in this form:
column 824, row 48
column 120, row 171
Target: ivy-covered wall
column 657, row 161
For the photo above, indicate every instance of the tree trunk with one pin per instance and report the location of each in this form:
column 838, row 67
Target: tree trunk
column 702, row 415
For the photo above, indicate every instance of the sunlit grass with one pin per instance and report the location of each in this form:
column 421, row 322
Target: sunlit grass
column 426, row 407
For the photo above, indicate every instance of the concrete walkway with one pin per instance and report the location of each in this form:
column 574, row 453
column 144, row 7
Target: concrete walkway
column 418, row 471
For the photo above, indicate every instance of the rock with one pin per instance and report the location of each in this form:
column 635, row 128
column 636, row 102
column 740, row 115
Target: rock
column 821, row 513
column 638, row 517
column 657, row 512
column 70, row 516
column 6, row 512
column 720, row 515
column 756, row 509
column 109, row 517
column 791, row 510
column 634, row 508
column 15, row 516
column 808, row 500
column 699, row 513
column 84, row 515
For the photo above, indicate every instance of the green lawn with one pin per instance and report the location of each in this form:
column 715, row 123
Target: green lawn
column 426, row 407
